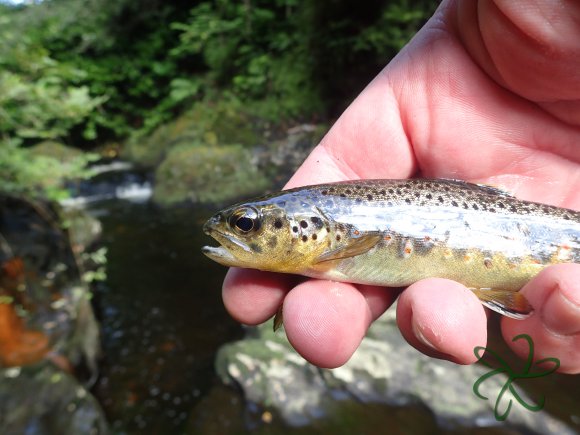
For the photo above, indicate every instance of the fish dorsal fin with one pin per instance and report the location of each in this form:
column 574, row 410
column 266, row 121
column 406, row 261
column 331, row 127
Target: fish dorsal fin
column 356, row 243
column 493, row 190
column 484, row 188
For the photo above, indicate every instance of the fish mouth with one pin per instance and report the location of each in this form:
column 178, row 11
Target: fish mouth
column 221, row 254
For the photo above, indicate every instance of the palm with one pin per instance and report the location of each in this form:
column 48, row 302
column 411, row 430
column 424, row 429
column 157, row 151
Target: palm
column 433, row 112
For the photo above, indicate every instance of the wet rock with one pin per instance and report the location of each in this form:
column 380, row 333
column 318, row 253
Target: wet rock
column 47, row 327
column 44, row 400
column 222, row 173
column 385, row 369
column 207, row 174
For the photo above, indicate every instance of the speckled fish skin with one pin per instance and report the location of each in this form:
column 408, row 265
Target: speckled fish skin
column 396, row 232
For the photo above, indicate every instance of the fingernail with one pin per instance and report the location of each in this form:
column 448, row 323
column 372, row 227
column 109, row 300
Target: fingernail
column 560, row 314
column 421, row 337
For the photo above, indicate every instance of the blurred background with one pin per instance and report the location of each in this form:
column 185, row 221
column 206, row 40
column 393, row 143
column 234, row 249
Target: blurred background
column 123, row 126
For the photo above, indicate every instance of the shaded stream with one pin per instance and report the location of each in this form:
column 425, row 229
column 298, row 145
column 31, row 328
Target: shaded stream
column 161, row 315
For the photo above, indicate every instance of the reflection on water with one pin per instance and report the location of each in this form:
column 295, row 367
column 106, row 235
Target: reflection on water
column 162, row 316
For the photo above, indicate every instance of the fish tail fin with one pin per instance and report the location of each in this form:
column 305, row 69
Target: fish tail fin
column 509, row 303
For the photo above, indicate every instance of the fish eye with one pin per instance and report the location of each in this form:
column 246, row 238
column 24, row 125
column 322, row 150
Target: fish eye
column 244, row 220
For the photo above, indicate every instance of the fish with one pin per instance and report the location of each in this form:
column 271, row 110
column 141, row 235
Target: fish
column 393, row 233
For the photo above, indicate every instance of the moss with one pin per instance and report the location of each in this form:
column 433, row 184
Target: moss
column 55, row 150
column 207, row 174
column 208, row 123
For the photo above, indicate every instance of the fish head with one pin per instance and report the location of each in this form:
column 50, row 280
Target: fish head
column 274, row 235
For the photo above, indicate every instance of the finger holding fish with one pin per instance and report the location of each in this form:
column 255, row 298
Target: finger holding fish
column 253, row 296
column 442, row 319
column 555, row 324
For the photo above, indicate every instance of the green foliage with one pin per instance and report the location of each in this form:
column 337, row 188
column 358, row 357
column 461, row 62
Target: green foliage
column 91, row 71
column 256, row 50
column 38, row 95
column 40, row 171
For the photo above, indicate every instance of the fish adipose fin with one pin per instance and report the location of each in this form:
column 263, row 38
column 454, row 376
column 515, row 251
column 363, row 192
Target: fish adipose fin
column 353, row 246
column 509, row 303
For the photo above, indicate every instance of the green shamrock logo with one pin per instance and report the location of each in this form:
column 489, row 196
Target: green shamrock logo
column 512, row 376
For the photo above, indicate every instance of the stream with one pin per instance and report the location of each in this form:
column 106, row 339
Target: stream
column 160, row 307
column 163, row 321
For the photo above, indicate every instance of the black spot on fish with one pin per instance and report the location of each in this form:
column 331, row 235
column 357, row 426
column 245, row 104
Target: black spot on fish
column 567, row 217
column 501, row 205
column 358, row 200
column 342, row 195
column 338, row 237
column 383, row 192
column 295, row 229
column 281, row 203
column 304, row 224
column 399, row 192
column 324, row 192
column 491, row 209
column 314, row 236
column 417, row 194
column 440, row 199
column 465, row 206
column 407, row 200
column 429, row 196
column 304, row 238
column 513, row 209
column 348, row 191
column 272, row 242
column 453, row 203
column 370, row 197
column 475, row 207
column 391, row 191
column 316, row 221
column 256, row 248
column 487, row 263
column 278, row 223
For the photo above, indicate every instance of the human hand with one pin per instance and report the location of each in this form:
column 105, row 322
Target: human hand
column 487, row 92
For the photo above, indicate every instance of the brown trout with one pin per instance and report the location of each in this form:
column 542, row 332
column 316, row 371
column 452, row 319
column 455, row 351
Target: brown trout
column 396, row 232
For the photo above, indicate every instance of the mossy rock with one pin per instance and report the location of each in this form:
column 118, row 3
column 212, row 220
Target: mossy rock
column 206, row 123
column 207, row 174
column 55, row 150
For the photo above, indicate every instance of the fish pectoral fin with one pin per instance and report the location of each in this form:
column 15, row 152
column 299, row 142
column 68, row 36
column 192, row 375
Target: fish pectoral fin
column 355, row 245
column 278, row 318
column 509, row 303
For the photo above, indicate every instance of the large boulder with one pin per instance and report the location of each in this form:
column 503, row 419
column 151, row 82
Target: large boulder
column 385, row 369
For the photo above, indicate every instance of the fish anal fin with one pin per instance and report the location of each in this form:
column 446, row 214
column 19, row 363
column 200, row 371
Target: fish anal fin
column 509, row 303
column 353, row 246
